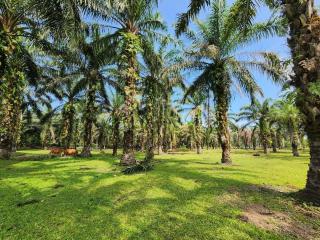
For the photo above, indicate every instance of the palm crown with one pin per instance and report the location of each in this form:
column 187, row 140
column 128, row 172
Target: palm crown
column 215, row 52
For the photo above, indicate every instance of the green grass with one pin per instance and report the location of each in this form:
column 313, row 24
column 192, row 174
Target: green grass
column 186, row 196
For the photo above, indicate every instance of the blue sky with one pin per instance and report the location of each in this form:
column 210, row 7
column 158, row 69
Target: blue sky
column 169, row 10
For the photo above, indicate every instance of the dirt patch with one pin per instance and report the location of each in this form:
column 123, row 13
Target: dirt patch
column 279, row 222
column 312, row 212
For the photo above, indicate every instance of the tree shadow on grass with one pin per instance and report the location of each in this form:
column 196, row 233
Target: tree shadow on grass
column 31, row 206
column 202, row 210
column 194, row 204
column 175, row 201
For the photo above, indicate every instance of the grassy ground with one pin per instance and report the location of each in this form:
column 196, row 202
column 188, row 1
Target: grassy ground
column 186, row 196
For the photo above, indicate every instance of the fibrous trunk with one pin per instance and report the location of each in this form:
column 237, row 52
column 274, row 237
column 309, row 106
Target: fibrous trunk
column 304, row 42
column 274, row 141
column 254, row 140
column 313, row 180
column 89, row 116
column 166, row 109
column 223, row 131
column 279, row 139
column 295, row 144
column 11, row 89
column 150, row 134
column 160, row 129
column 264, row 135
column 131, row 45
column 116, row 135
column 198, row 132
column 67, row 125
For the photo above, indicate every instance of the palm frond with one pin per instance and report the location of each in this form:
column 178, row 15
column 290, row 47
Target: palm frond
column 184, row 18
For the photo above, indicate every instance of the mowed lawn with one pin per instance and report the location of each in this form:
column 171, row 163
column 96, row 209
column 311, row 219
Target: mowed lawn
column 186, row 196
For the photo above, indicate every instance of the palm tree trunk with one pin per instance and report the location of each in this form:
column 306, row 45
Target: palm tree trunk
column 89, row 117
column 274, row 141
column 265, row 147
column 198, row 146
column 223, row 131
column 174, row 141
column 198, row 132
column 294, row 144
column 150, row 133
column 116, row 135
column 238, row 139
column 246, row 140
column 254, row 144
column 68, row 122
column 304, row 25
column 11, row 89
column 165, row 123
column 279, row 140
column 301, row 140
column 160, row 129
column 5, row 150
column 45, row 137
column 131, row 43
column 313, row 179
column 208, row 120
column 70, row 128
column 128, row 144
column 295, row 151
column 151, row 91
column 142, row 138
column 264, row 135
column 160, row 140
column 171, row 143
column 165, row 141
column 76, row 136
column 254, row 140
column 3, row 61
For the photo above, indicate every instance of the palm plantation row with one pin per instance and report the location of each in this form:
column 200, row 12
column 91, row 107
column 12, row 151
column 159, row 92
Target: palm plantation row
column 282, row 129
column 108, row 73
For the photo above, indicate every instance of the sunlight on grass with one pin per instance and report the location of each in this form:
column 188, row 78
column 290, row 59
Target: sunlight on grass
column 186, row 196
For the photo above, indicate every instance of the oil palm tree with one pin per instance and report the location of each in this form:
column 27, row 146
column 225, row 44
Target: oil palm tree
column 196, row 102
column 304, row 26
column 69, row 90
column 151, row 97
column 287, row 114
column 23, row 23
column 171, row 79
column 87, row 54
column 116, row 107
column 215, row 52
column 48, row 132
column 28, row 19
column 17, row 67
column 134, row 23
column 103, row 130
column 159, row 81
column 258, row 115
column 12, row 74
